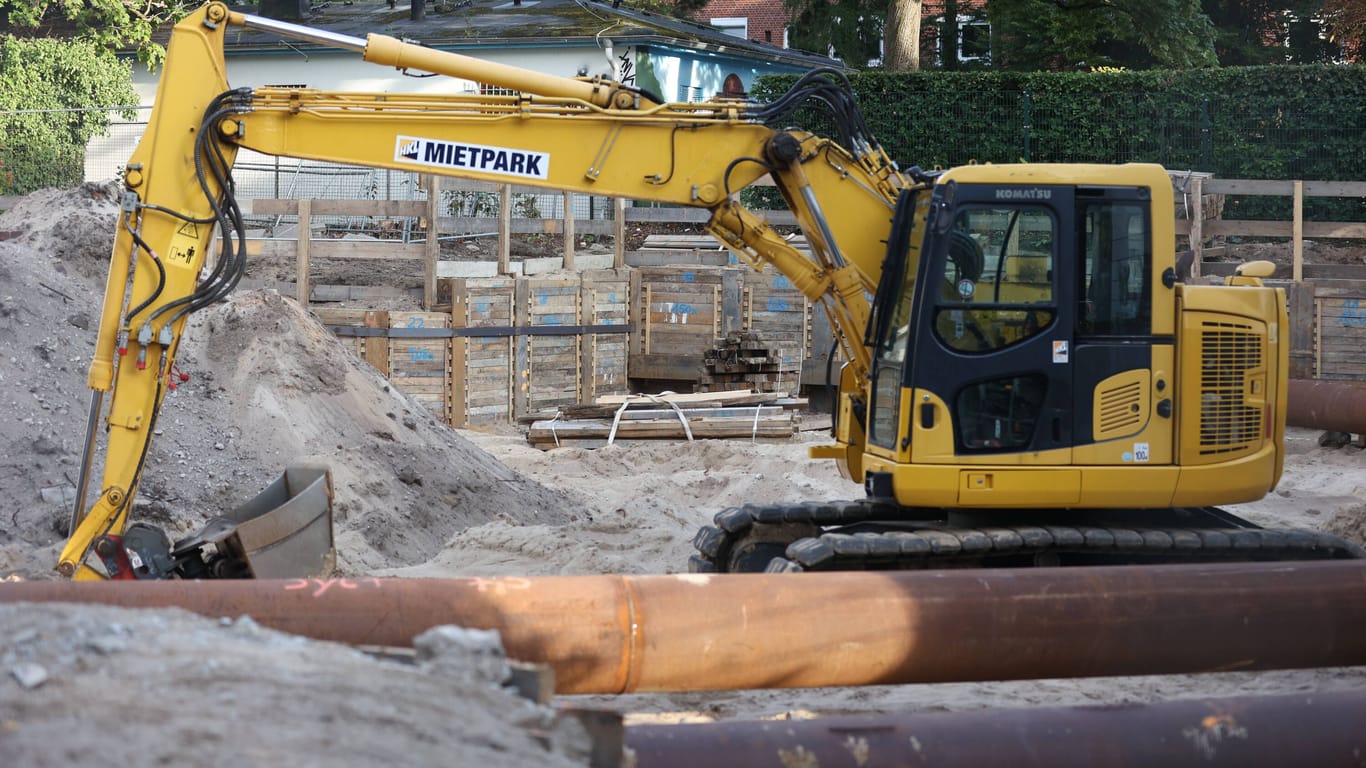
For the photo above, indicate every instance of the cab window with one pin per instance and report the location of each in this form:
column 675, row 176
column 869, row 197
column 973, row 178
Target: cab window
column 996, row 283
column 1116, row 290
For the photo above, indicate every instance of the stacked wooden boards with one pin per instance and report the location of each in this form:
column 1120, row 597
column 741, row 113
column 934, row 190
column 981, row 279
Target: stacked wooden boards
column 747, row 359
column 739, row 414
column 501, row 347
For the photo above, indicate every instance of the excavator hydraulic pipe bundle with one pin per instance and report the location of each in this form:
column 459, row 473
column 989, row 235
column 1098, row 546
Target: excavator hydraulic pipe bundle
column 615, row 634
column 1339, row 406
column 1320, row 729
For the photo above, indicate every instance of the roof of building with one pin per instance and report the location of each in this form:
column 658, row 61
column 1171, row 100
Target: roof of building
column 458, row 24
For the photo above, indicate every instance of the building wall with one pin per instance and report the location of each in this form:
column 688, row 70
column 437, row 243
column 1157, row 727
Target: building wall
column 768, row 19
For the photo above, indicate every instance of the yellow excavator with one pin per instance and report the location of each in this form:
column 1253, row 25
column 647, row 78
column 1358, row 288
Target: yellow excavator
column 1028, row 378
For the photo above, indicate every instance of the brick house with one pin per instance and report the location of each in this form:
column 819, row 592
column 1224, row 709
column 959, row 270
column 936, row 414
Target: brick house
column 765, row 21
column 761, row 21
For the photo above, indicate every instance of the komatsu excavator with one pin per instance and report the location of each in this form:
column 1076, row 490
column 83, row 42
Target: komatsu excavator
column 1027, row 377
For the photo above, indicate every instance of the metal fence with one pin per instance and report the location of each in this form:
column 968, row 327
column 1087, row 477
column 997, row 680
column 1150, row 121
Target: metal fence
column 1217, row 133
column 265, row 176
column 1209, row 132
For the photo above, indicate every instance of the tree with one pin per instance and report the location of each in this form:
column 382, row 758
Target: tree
column 854, row 31
column 1084, row 34
column 59, row 77
column 1252, row 32
column 108, row 24
column 901, row 48
column 54, row 97
column 1247, row 32
column 1346, row 23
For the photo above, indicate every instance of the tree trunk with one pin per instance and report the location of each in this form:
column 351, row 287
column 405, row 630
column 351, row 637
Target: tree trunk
column 901, row 43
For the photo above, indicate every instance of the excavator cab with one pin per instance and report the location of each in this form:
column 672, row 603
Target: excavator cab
column 1028, row 349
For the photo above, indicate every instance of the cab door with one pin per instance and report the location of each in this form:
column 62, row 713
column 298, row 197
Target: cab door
column 990, row 372
column 1125, row 359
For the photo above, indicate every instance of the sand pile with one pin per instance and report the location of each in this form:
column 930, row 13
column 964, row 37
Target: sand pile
column 268, row 386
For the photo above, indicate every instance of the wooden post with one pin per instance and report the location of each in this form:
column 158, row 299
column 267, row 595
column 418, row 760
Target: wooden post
column 568, row 231
column 504, row 229
column 521, row 350
column 457, row 393
column 619, row 232
column 1297, row 231
column 432, row 252
column 1197, row 222
column 588, row 315
column 377, row 347
column 1300, row 297
column 301, row 255
column 637, row 318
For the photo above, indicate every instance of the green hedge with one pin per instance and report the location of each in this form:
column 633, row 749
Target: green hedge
column 1278, row 122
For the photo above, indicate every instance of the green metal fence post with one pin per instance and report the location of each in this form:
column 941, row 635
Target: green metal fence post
column 1206, row 131
column 1027, row 106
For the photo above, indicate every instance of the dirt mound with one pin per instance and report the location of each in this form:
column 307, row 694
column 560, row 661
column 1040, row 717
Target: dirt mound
column 189, row 690
column 72, row 228
column 268, row 386
column 275, row 387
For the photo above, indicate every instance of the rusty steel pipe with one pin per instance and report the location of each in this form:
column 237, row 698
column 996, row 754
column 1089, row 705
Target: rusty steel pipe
column 1339, row 406
column 613, row 634
column 1318, row 729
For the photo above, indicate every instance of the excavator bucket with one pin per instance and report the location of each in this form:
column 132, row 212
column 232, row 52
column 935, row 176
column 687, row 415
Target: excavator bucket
column 285, row 532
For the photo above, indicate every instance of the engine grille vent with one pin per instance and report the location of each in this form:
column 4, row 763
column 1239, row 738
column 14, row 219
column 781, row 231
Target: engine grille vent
column 1227, row 422
column 1121, row 409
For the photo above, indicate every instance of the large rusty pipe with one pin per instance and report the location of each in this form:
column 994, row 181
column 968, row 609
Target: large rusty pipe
column 1339, row 406
column 1318, row 729
column 611, row 634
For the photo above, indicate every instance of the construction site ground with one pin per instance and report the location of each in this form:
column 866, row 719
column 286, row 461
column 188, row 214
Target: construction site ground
column 268, row 386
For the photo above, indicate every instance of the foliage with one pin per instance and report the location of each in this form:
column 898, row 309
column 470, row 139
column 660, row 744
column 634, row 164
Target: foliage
column 42, row 83
column 108, row 24
column 851, row 28
column 1272, row 122
column 1031, row 35
column 1247, row 32
column 1346, row 23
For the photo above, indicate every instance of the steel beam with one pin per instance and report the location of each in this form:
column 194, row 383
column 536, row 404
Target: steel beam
column 614, row 634
column 1339, row 406
column 1318, row 729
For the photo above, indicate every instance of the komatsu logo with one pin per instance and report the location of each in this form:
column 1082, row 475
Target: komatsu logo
column 1032, row 193
column 472, row 157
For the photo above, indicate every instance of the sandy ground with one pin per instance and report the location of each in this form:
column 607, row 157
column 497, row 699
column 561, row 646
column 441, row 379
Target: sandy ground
column 268, row 387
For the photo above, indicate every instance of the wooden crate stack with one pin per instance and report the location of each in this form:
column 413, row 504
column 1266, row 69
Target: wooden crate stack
column 746, row 359
column 739, row 414
column 504, row 349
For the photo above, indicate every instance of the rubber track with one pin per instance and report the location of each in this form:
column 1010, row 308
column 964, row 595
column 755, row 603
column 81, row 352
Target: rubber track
column 936, row 545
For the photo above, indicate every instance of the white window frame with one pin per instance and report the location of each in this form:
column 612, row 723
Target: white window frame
column 972, row 21
column 735, row 26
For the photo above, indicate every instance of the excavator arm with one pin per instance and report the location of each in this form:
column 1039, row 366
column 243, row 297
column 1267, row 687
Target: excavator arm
column 587, row 135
